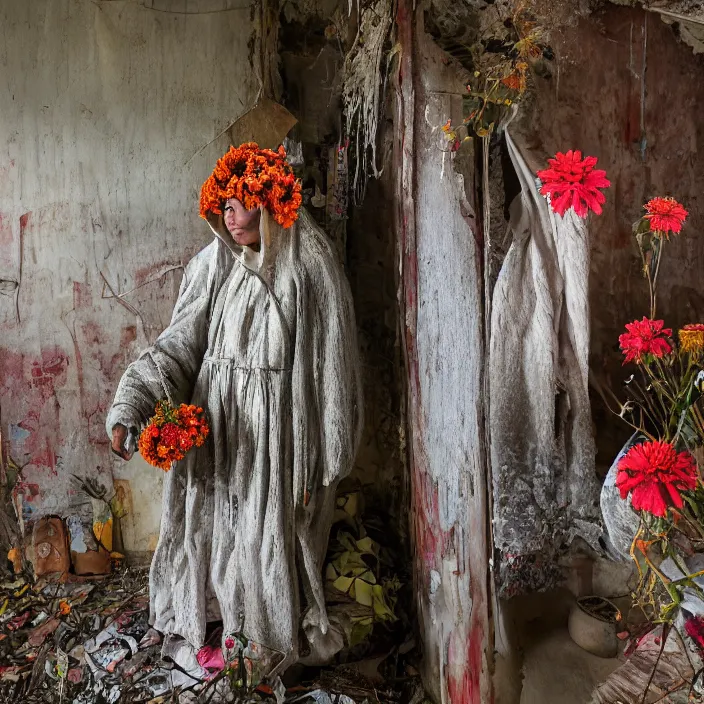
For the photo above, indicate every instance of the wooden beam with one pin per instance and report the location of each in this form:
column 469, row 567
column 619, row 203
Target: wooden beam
column 442, row 312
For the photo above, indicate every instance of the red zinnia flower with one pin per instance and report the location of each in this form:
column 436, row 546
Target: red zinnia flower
column 655, row 474
column 695, row 630
column 229, row 643
column 170, row 435
column 574, row 182
column 665, row 215
column 645, row 337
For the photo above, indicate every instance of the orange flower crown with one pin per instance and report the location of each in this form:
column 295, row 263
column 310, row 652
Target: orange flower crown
column 256, row 177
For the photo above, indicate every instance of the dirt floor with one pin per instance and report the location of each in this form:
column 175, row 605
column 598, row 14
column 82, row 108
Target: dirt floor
column 88, row 641
column 556, row 670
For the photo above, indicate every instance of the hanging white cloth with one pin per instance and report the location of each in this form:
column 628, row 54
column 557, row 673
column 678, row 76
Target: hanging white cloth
column 542, row 448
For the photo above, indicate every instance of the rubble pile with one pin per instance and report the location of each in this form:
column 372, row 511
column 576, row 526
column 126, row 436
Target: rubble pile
column 87, row 640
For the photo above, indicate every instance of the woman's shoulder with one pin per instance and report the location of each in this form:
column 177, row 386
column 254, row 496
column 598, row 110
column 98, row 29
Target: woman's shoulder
column 315, row 251
column 211, row 255
column 209, row 267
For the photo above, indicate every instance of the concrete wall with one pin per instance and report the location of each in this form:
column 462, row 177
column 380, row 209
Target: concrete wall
column 105, row 108
column 625, row 89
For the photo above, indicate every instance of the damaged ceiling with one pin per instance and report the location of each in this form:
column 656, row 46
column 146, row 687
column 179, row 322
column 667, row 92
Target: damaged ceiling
column 457, row 27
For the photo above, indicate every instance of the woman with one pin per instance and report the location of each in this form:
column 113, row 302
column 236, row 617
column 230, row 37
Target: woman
column 263, row 338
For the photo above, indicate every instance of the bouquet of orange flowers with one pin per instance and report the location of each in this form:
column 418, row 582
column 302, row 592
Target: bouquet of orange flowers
column 171, row 433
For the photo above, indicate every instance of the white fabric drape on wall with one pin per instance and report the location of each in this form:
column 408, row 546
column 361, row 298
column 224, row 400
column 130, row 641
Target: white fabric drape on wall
column 542, row 448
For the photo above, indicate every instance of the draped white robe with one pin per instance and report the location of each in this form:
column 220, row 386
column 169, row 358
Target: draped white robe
column 265, row 342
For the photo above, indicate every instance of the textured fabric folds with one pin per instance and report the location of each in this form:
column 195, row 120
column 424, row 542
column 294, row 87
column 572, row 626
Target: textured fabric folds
column 265, row 342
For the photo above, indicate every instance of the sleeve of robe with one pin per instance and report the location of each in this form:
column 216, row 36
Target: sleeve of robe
column 175, row 358
column 327, row 390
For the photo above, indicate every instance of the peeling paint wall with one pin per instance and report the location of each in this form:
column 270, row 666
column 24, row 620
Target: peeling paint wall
column 626, row 90
column 441, row 255
column 105, row 109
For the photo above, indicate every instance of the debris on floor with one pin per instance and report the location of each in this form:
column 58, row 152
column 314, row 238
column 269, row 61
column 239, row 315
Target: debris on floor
column 88, row 641
column 659, row 669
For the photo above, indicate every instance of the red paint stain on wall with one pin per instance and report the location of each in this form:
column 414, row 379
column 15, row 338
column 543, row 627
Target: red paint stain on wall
column 430, row 540
column 466, row 649
column 11, row 368
column 96, row 424
column 93, row 334
column 94, row 347
column 20, row 373
column 81, row 295
column 24, row 221
column 129, row 335
column 28, row 386
column 46, row 457
column 49, row 373
column 147, row 273
column 5, row 231
column 98, row 350
column 30, row 422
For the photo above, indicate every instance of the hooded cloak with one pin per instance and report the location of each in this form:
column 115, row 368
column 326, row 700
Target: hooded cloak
column 265, row 342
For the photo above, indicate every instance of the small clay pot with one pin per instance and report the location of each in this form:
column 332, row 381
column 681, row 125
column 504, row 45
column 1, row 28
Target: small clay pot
column 592, row 626
column 49, row 552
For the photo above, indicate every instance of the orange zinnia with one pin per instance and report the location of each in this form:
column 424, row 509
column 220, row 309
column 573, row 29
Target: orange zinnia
column 692, row 339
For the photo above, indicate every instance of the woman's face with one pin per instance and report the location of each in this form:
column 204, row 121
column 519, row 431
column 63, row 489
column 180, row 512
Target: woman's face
column 242, row 224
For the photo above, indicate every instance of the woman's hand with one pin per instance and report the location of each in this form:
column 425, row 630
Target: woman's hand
column 119, row 435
